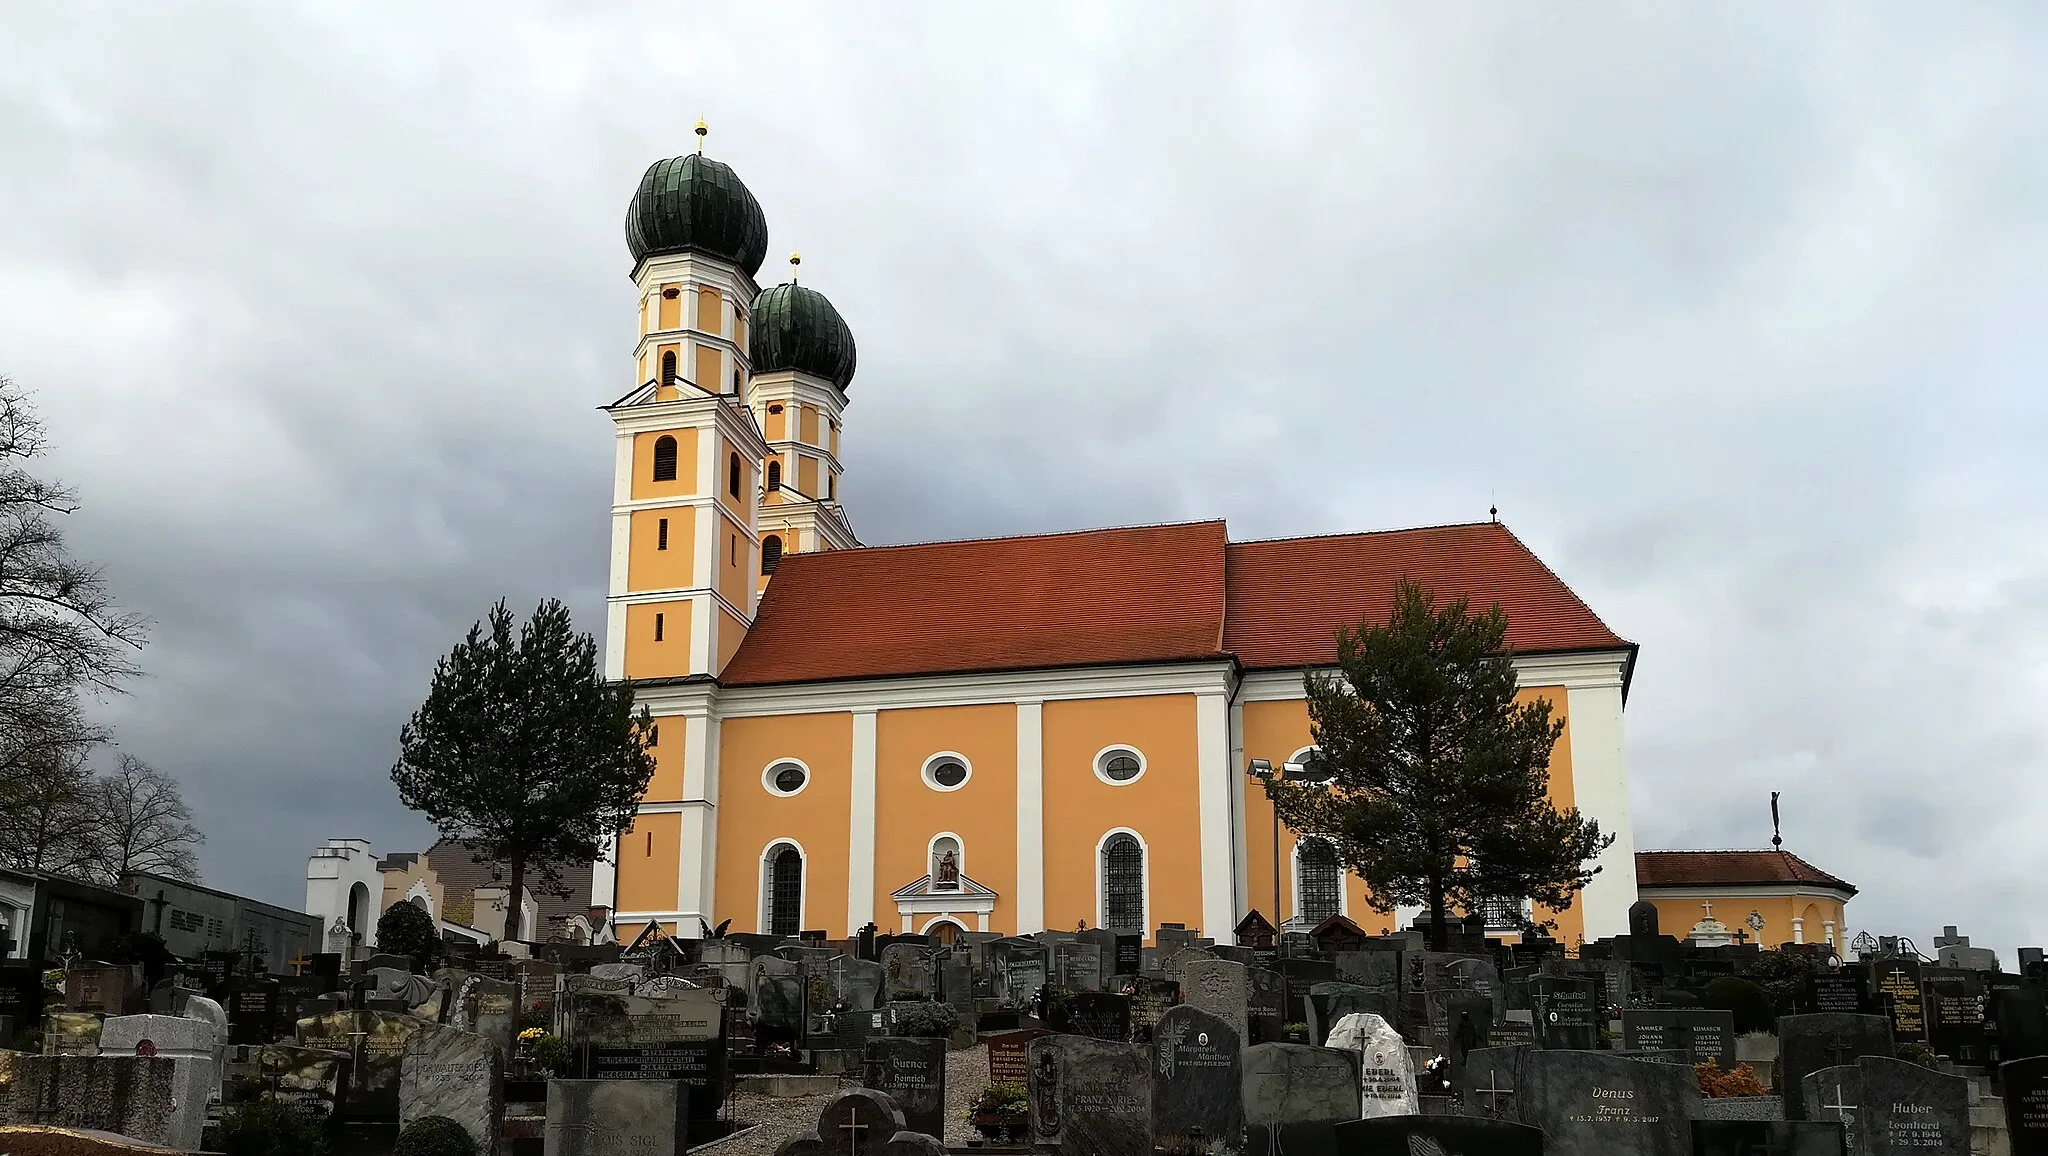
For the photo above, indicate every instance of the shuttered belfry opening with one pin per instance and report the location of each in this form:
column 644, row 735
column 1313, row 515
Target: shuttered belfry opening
column 1123, row 883
column 785, row 891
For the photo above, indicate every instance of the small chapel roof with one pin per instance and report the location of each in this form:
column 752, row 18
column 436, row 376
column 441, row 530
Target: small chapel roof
column 1131, row 595
column 1729, row 868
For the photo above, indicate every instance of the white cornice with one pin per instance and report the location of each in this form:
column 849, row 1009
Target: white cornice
column 697, row 268
column 952, row 690
column 790, row 383
column 1583, row 671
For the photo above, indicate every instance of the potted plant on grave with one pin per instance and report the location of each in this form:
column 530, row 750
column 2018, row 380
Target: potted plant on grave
column 541, row 1053
column 1294, row 1033
column 1000, row 1112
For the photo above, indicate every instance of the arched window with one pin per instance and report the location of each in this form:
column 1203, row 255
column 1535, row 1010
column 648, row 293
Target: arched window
column 668, row 367
column 1123, row 883
column 358, row 908
column 1318, row 880
column 732, row 476
column 774, row 474
column 664, row 459
column 785, row 885
column 771, row 554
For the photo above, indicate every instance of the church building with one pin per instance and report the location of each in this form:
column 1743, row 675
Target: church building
column 1008, row 734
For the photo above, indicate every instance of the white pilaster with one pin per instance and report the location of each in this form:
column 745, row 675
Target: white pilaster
column 1600, row 791
column 1215, row 778
column 604, row 875
column 1240, row 852
column 615, row 641
column 697, row 860
column 1030, row 889
column 860, row 859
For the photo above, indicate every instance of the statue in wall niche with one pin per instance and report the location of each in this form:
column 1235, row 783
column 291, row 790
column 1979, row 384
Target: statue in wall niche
column 947, row 876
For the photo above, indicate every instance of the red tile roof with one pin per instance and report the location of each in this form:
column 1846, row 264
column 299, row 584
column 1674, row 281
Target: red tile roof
column 1133, row 595
column 1728, row 868
column 1288, row 596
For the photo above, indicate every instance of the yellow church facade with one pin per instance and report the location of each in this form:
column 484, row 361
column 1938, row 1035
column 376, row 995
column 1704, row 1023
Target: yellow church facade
column 1009, row 735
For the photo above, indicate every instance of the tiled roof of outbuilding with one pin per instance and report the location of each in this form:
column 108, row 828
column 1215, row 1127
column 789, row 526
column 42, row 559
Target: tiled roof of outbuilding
column 1729, row 868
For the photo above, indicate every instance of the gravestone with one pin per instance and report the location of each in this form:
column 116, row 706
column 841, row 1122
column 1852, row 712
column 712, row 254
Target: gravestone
column 2018, row 1022
column 613, row 1118
column 1809, row 1043
column 2026, row 1104
column 22, row 997
column 776, row 1000
column 1897, row 983
column 1265, row 1006
column 1955, row 1014
column 1767, row 1138
column 1437, row 1136
column 1834, row 1095
column 1909, row 1110
column 857, row 1123
column 1100, row 1014
column 457, row 1074
column 615, row 1021
column 1219, row 987
column 1292, row 1083
column 135, row 1096
column 1492, row 1081
column 1565, row 1013
column 907, row 967
column 69, row 1033
column 1329, row 1003
column 103, row 988
column 192, row 1048
column 1090, row 1097
column 375, row 1042
column 252, row 1009
column 698, row 1065
column 1375, row 971
column 489, row 1008
column 1020, row 968
column 1642, row 920
column 1197, row 1082
column 1599, row 1104
column 1009, row 1056
column 1150, row 998
column 1077, row 966
column 1386, row 1070
column 911, row 1071
column 1130, row 954
column 1835, row 991
column 956, row 981
column 1459, row 1023
column 1702, row 1033
column 307, row 1078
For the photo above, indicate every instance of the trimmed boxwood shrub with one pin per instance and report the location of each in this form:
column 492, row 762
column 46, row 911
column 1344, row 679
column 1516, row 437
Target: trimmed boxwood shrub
column 267, row 1128
column 434, row 1136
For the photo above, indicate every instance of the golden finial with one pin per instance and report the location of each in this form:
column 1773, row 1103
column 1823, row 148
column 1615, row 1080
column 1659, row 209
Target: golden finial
column 795, row 259
column 702, row 132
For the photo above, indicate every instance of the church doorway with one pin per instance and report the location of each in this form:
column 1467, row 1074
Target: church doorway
column 945, row 932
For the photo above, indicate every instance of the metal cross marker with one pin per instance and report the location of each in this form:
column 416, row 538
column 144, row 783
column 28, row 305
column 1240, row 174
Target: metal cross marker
column 1494, row 1090
column 853, row 1128
column 300, row 964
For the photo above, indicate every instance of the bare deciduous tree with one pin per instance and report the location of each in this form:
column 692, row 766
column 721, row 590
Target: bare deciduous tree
column 145, row 824
column 49, row 814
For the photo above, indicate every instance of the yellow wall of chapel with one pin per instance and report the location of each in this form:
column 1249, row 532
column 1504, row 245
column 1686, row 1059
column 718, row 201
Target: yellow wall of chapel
column 750, row 818
column 982, row 811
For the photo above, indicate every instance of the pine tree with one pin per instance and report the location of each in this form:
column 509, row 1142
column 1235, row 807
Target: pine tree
column 523, row 751
column 1434, row 782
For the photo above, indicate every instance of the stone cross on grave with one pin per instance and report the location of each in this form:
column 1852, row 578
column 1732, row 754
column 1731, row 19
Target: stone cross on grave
column 853, row 1127
column 1493, row 1091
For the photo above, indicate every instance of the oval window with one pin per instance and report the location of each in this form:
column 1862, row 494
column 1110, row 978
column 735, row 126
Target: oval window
column 786, row 778
column 945, row 772
column 1119, row 765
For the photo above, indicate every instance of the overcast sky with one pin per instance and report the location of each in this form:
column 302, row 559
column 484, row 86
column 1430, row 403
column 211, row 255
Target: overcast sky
column 1734, row 309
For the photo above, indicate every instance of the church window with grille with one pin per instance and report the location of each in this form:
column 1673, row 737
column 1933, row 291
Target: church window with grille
column 668, row 367
column 1123, row 883
column 785, row 891
column 774, row 475
column 771, row 554
column 661, row 535
column 1321, row 880
column 664, row 459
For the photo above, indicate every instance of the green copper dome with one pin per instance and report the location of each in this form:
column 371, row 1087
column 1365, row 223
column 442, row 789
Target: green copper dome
column 797, row 328
column 692, row 203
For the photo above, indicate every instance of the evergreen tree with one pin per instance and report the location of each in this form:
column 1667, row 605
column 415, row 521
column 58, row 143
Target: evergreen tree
column 1434, row 782
column 406, row 929
column 523, row 751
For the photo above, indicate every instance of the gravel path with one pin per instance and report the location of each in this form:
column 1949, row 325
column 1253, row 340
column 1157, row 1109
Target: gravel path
column 966, row 1076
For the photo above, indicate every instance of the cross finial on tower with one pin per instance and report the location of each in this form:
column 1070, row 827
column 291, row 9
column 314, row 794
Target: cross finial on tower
column 795, row 259
column 1777, row 840
column 702, row 131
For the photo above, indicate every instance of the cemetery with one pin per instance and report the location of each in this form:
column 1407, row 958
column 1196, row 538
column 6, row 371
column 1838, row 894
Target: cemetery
column 1085, row 1043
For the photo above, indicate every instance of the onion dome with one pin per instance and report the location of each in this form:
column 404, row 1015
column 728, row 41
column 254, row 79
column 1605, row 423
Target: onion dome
column 797, row 328
column 692, row 203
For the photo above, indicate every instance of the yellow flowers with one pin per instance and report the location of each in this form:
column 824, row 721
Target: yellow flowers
column 532, row 1034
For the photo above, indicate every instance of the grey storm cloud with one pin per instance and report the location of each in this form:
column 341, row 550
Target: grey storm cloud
column 1732, row 309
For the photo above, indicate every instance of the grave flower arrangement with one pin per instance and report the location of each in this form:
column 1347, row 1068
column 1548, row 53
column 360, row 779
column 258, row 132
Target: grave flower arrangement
column 542, row 1052
column 1000, row 1112
column 1716, row 1084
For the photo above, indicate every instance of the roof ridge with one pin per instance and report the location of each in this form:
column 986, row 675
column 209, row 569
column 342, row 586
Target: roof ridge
column 1563, row 585
column 1363, row 533
column 932, row 542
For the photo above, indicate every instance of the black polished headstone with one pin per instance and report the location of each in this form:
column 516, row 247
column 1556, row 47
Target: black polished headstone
column 1955, row 1014
column 1809, row 1043
column 1600, row 1104
column 2026, row 1105
column 1705, row 1034
column 1896, row 982
column 1197, row 1083
column 1565, row 1013
column 1438, row 1136
column 911, row 1071
column 1102, row 1015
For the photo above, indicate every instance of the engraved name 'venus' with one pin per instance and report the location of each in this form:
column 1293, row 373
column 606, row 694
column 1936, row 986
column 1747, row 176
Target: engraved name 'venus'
column 1614, row 1093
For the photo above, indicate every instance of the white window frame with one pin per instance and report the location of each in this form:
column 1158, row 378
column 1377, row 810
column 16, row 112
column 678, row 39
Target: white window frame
column 1144, row 878
column 766, row 884
column 1343, row 877
column 925, row 772
column 1102, row 758
column 768, row 777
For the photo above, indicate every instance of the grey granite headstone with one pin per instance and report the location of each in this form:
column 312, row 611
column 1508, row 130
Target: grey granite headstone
column 1809, row 1043
column 908, row 967
column 911, row 1071
column 1703, row 1033
column 857, row 1123
column 1090, row 1097
column 193, row 1048
column 457, row 1074
column 134, row 1096
column 1219, row 987
column 1908, row 1110
column 1291, row 1082
column 1437, row 1136
column 1491, row 1084
column 1330, row 1002
column 1596, row 1104
column 1197, row 1082
column 913, row 1144
column 613, row 1118
column 70, row 1033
